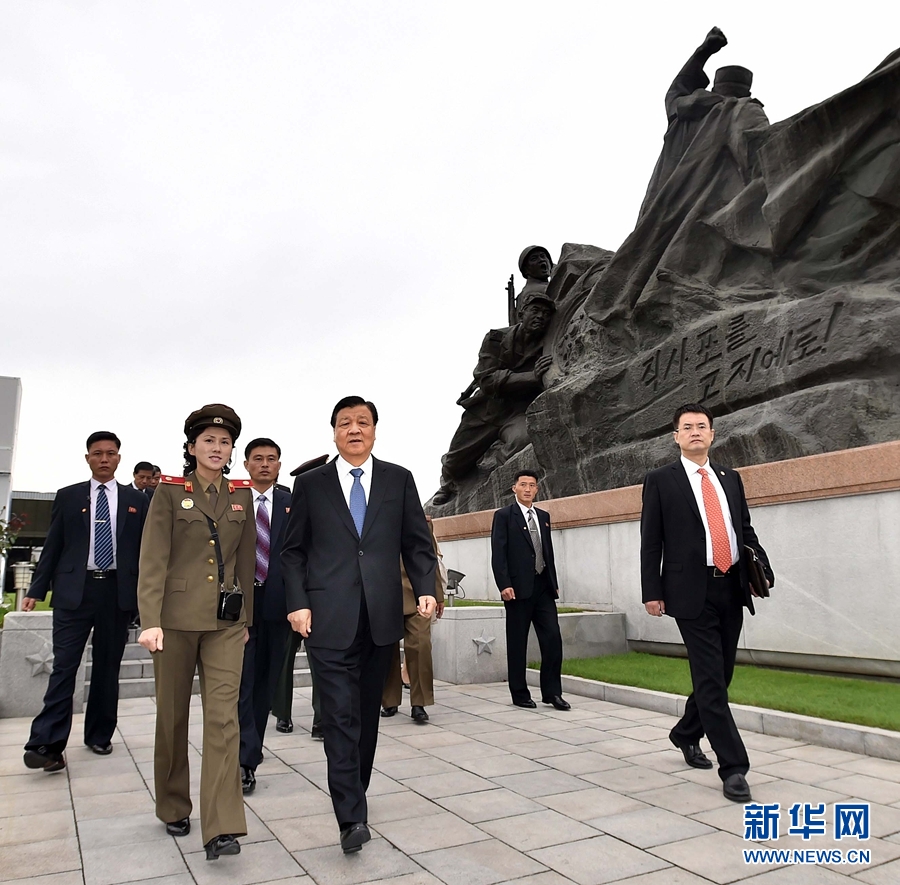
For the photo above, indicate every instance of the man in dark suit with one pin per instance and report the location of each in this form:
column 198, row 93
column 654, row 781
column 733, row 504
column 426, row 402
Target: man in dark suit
column 90, row 562
column 350, row 523
column 142, row 477
column 525, row 571
column 694, row 525
column 264, row 650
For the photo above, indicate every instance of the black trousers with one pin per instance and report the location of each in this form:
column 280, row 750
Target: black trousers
column 350, row 683
column 263, row 660
column 711, row 641
column 283, row 702
column 539, row 609
column 99, row 611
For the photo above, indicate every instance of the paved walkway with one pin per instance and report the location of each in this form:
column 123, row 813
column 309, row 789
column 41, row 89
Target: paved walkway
column 485, row 793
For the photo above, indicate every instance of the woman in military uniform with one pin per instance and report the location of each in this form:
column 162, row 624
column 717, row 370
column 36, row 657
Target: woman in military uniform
column 199, row 543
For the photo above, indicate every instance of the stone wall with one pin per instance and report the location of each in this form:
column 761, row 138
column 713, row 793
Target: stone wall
column 830, row 524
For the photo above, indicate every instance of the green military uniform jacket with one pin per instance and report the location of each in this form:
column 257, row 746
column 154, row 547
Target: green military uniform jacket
column 178, row 584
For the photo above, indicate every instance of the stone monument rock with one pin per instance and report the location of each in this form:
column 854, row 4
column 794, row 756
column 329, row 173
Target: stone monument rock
column 762, row 279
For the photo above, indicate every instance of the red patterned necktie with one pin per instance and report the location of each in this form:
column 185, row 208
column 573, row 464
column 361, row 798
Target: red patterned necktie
column 263, row 540
column 718, row 532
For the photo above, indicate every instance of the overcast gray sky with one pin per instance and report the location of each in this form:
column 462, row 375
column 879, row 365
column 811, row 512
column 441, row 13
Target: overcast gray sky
column 277, row 204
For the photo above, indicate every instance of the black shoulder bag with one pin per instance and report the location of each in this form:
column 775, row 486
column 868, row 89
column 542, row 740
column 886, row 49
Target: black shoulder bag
column 230, row 601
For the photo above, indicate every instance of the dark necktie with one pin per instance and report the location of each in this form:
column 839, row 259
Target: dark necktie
column 213, row 498
column 357, row 500
column 721, row 546
column 263, row 540
column 536, row 543
column 103, row 542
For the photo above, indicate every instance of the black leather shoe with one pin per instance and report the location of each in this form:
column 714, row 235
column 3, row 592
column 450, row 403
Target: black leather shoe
column 388, row 711
column 100, row 749
column 46, row 759
column 419, row 714
column 248, row 780
column 528, row 704
column 693, row 755
column 316, row 733
column 222, row 845
column 354, row 837
column 179, row 827
column 285, row 726
column 736, row 788
column 559, row 702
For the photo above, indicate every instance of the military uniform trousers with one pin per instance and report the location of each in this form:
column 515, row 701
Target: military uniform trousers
column 417, row 651
column 218, row 657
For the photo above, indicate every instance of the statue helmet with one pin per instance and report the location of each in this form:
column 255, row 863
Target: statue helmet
column 528, row 251
column 734, row 75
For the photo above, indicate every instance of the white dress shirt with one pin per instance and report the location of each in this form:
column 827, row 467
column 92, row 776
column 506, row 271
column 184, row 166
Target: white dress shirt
column 525, row 511
column 269, row 494
column 112, row 496
column 346, row 478
column 695, row 479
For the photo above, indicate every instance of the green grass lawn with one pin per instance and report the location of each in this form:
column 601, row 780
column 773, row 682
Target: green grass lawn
column 462, row 603
column 860, row 701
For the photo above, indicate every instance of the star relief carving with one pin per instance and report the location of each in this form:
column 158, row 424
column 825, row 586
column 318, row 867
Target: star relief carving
column 483, row 643
column 42, row 662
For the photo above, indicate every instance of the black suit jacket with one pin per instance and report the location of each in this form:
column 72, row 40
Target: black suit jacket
column 512, row 553
column 673, row 541
column 325, row 562
column 63, row 563
column 274, row 603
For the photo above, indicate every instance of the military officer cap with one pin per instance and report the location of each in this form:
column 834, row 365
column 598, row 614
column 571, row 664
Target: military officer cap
column 527, row 251
column 213, row 415
column 537, row 298
column 734, row 75
column 310, row 465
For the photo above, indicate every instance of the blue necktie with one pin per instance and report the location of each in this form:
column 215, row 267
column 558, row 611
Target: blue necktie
column 103, row 543
column 357, row 500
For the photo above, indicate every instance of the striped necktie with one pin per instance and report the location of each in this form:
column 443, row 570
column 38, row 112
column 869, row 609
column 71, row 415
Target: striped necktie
column 103, row 541
column 263, row 540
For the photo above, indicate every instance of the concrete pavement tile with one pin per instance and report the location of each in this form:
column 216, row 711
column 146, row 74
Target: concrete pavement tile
column 872, row 789
column 39, row 858
column 619, row 747
column 881, row 768
column 800, row 771
column 788, row 792
column 382, row 785
column 584, row 763
column 597, row 860
column 548, row 878
column 820, row 755
column 716, row 856
column 302, row 833
column 545, row 725
column 142, row 754
column 476, row 749
column 481, row 726
column 642, row 732
column 419, row 766
column 584, row 805
column 12, row 763
column 432, row 738
column 667, row 876
column 800, row 875
column 648, row 827
column 107, row 783
column 632, row 779
column 394, row 752
column 37, row 827
column 136, row 741
column 258, row 862
column 497, row 766
column 399, row 806
column 126, row 829
column 579, row 735
column 83, row 763
column 72, row 878
column 769, row 743
column 512, row 717
column 887, row 874
column 883, row 819
column 539, row 829
column 881, row 850
column 542, row 748
column 669, row 761
column 701, row 777
column 15, row 804
column 482, row 863
column 635, row 713
column 687, row 798
column 33, row 781
column 542, row 783
column 378, row 860
column 506, row 735
column 488, row 805
column 444, row 830
column 112, row 805
column 437, row 786
column 315, row 772
column 728, row 818
column 274, row 804
column 419, row 878
column 607, row 723
column 142, row 860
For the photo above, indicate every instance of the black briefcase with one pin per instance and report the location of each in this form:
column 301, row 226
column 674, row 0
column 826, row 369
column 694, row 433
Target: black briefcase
column 755, row 572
